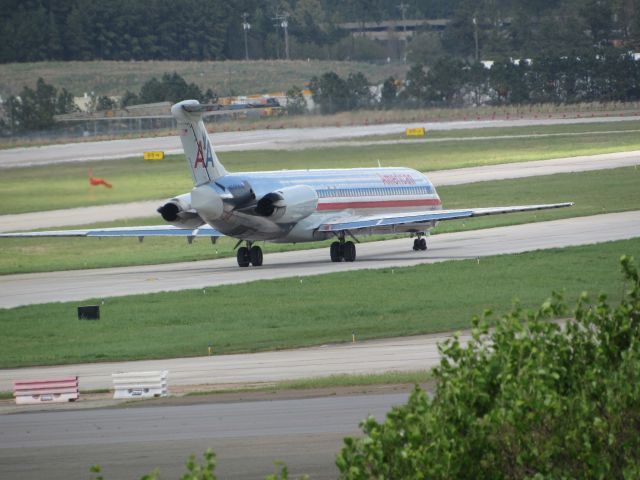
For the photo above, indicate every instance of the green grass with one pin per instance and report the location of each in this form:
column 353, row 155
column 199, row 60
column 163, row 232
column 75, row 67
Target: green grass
column 602, row 191
column 295, row 312
column 64, row 186
column 629, row 126
column 332, row 381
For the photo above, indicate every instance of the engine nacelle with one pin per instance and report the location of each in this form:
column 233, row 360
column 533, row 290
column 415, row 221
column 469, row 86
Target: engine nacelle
column 178, row 212
column 289, row 204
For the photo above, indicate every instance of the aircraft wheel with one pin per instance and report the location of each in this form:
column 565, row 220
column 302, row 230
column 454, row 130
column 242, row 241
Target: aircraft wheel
column 423, row 244
column 335, row 253
column 416, row 245
column 255, row 256
column 349, row 251
column 243, row 257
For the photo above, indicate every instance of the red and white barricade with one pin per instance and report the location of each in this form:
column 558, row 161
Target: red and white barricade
column 46, row 391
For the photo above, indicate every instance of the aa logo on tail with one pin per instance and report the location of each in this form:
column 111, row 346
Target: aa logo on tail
column 200, row 157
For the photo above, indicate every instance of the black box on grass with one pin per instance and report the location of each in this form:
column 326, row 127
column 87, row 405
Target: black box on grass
column 89, row 312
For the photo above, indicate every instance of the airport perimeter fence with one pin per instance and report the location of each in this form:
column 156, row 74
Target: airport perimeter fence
column 79, row 126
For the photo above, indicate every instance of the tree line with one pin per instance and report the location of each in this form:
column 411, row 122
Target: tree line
column 37, row 30
column 593, row 76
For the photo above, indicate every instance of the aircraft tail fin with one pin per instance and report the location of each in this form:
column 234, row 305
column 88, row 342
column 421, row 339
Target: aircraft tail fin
column 202, row 159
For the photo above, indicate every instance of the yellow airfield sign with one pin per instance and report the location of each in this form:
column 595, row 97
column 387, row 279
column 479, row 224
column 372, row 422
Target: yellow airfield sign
column 415, row 132
column 153, row 155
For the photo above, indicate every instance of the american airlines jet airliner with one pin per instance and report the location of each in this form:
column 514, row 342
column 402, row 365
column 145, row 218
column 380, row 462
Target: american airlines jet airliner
column 292, row 206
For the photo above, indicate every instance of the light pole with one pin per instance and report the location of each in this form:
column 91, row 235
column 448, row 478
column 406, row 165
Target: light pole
column 285, row 25
column 475, row 35
column 246, row 26
column 403, row 8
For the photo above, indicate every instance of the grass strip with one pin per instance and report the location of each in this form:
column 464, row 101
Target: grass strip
column 65, row 185
column 332, row 381
column 603, row 191
column 297, row 312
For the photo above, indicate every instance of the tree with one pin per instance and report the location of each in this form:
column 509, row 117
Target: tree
column 330, row 92
column 171, row 88
column 389, row 93
column 359, row 94
column 34, row 109
column 416, row 87
column 445, row 79
column 129, row 98
column 64, row 103
column 296, row 103
column 105, row 103
column 529, row 398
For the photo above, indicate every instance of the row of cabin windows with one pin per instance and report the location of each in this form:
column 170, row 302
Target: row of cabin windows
column 370, row 192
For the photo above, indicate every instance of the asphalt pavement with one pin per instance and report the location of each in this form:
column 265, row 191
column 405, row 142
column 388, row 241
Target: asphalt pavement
column 78, row 285
column 130, row 442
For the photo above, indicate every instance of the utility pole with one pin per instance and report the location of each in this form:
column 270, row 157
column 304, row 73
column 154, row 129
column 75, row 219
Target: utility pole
column 246, row 26
column 475, row 35
column 282, row 21
column 285, row 25
column 277, row 19
column 403, row 8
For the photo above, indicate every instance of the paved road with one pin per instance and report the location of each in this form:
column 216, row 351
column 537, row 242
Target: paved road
column 248, row 140
column 108, row 213
column 24, row 289
column 374, row 356
column 129, row 442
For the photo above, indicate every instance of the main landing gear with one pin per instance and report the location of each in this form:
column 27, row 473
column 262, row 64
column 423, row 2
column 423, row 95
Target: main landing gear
column 249, row 255
column 419, row 243
column 341, row 250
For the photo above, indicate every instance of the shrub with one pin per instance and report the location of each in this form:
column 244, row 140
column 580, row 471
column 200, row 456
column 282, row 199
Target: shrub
column 528, row 398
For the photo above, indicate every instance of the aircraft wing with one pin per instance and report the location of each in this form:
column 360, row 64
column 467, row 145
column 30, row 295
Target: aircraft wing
column 153, row 231
column 385, row 220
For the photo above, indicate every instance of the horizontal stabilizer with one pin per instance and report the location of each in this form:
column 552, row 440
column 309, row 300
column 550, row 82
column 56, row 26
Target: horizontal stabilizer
column 216, row 107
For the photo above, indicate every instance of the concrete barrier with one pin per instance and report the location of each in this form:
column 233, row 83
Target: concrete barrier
column 46, row 391
column 140, row 384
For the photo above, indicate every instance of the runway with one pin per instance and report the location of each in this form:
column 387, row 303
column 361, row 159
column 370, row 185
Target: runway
column 130, row 442
column 108, row 213
column 251, row 140
column 401, row 354
column 25, row 289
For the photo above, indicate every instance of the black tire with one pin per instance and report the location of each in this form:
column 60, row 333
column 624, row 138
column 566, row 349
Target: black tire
column 349, row 251
column 335, row 252
column 416, row 245
column 423, row 244
column 243, row 257
column 255, row 256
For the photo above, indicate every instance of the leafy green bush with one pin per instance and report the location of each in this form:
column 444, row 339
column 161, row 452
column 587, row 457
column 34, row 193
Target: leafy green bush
column 528, row 398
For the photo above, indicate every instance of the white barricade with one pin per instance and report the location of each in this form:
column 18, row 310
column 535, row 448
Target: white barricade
column 140, row 384
column 46, row 391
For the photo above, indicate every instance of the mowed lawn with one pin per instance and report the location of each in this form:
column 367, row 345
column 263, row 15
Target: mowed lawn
column 602, row 191
column 294, row 312
column 60, row 186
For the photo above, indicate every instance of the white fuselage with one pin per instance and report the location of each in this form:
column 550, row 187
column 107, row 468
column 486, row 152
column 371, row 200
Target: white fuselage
column 340, row 193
